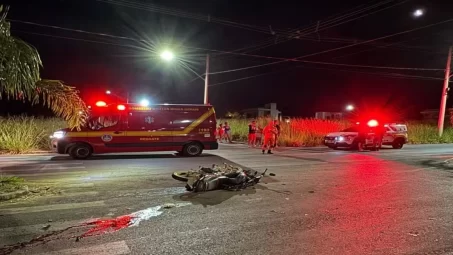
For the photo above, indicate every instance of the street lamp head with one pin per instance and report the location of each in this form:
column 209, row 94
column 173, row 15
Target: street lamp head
column 167, row 55
column 418, row 13
column 108, row 92
column 144, row 102
column 349, row 107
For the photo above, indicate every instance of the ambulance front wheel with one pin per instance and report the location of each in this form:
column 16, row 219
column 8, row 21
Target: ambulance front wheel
column 80, row 151
column 192, row 149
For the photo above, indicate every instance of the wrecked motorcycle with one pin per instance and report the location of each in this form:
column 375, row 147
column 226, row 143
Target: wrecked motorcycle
column 228, row 178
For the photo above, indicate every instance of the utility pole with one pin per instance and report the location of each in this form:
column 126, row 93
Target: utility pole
column 443, row 100
column 206, row 80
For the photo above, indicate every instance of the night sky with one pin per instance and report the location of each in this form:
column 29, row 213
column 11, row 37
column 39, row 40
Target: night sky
column 94, row 63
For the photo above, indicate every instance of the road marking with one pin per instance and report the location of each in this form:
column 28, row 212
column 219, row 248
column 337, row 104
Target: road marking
column 45, row 208
column 80, row 185
column 113, row 248
column 51, row 167
column 21, row 171
column 36, row 229
column 41, row 174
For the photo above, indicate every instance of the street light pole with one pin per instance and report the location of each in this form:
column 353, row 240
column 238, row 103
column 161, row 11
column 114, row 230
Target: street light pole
column 443, row 99
column 206, row 80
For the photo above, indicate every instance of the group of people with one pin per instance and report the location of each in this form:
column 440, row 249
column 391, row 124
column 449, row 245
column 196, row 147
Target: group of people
column 270, row 133
column 223, row 133
column 364, row 131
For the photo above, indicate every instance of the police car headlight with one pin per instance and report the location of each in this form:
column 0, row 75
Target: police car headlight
column 339, row 138
column 58, row 134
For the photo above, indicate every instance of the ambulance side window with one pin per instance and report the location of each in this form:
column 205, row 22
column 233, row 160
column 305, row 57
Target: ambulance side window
column 103, row 122
column 183, row 119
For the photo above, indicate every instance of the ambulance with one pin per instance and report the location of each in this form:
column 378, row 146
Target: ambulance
column 115, row 128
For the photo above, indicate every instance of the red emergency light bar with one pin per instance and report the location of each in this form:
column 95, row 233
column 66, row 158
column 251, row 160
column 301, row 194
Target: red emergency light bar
column 373, row 123
column 100, row 104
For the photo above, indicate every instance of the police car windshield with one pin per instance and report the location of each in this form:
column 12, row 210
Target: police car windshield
column 351, row 129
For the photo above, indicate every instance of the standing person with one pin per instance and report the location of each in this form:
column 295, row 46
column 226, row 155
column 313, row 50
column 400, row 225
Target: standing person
column 379, row 131
column 364, row 130
column 277, row 126
column 227, row 129
column 220, row 133
column 252, row 133
column 269, row 133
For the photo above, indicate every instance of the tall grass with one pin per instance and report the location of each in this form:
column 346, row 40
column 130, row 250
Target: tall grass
column 297, row 132
column 310, row 132
column 27, row 134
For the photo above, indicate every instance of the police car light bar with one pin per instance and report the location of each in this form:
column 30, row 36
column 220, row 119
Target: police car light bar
column 372, row 123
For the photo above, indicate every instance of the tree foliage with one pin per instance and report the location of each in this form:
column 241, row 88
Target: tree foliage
column 20, row 78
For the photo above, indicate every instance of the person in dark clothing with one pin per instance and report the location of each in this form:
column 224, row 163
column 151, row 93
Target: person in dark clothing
column 252, row 133
column 379, row 132
column 363, row 133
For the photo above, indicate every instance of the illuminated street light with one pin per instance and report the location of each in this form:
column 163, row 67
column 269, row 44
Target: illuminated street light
column 108, row 92
column 349, row 107
column 418, row 13
column 144, row 102
column 167, row 55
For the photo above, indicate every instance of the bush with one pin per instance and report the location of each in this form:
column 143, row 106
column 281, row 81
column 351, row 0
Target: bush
column 310, row 132
column 26, row 134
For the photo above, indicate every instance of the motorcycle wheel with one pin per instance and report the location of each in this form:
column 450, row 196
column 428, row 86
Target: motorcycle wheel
column 183, row 176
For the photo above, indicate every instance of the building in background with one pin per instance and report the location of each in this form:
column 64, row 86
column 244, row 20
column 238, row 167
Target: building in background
column 269, row 110
column 329, row 115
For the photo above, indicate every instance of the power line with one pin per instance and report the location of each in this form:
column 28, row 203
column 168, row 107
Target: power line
column 325, row 25
column 179, row 13
column 220, row 51
column 78, row 39
column 360, row 43
column 390, row 75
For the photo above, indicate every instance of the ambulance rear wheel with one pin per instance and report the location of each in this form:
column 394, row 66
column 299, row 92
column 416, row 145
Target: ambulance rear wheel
column 192, row 149
column 80, row 151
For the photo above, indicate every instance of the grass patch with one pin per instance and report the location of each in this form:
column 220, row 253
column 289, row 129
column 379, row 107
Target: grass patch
column 26, row 134
column 310, row 132
column 10, row 184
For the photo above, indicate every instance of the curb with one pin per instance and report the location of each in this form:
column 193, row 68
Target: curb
column 15, row 194
column 37, row 153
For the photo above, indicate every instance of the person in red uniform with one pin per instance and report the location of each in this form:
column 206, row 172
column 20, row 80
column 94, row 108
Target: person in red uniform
column 269, row 132
column 252, row 133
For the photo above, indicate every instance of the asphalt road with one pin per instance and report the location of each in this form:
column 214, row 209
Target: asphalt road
column 320, row 202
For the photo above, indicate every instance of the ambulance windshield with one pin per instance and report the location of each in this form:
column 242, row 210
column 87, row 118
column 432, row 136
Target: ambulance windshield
column 100, row 121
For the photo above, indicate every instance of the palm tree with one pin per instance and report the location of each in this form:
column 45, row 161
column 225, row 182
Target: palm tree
column 20, row 78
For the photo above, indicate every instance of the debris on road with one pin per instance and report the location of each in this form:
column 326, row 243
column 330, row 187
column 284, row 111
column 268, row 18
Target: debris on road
column 227, row 177
column 169, row 205
column 271, row 174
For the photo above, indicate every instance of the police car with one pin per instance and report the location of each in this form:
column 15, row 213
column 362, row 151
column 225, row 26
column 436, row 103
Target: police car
column 396, row 136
